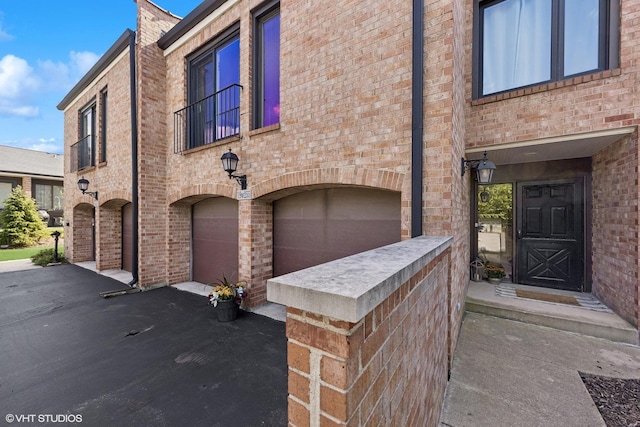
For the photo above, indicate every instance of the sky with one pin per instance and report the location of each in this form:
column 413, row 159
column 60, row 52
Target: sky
column 46, row 46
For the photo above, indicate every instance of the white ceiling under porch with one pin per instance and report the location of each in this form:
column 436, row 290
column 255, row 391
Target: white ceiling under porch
column 555, row 148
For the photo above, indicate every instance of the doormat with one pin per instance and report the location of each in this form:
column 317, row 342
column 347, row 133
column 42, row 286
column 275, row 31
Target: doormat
column 560, row 299
column 587, row 301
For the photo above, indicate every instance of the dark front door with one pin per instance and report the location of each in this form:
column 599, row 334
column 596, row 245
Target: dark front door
column 550, row 234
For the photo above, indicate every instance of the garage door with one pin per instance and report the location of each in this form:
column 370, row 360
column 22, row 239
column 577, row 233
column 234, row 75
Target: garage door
column 317, row 226
column 215, row 239
column 127, row 237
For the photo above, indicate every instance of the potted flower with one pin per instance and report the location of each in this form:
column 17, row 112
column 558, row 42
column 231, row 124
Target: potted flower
column 226, row 296
column 495, row 273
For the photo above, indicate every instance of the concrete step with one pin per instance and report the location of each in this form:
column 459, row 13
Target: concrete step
column 482, row 298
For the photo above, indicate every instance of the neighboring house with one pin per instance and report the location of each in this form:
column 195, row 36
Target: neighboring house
column 39, row 174
column 350, row 125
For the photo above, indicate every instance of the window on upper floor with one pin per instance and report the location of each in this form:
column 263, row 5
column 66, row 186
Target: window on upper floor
column 519, row 43
column 83, row 153
column 266, row 84
column 103, row 126
column 213, row 94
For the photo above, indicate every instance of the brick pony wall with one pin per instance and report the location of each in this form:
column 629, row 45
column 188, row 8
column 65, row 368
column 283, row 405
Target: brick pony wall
column 390, row 368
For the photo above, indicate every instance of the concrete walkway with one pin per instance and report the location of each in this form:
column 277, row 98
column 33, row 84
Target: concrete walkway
column 509, row 373
column 17, row 265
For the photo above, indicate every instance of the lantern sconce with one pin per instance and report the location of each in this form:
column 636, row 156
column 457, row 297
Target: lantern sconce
column 484, row 168
column 230, row 164
column 83, row 185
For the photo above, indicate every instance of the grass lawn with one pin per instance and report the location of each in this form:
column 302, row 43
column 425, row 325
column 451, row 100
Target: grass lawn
column 20, row 253
column 25, row 253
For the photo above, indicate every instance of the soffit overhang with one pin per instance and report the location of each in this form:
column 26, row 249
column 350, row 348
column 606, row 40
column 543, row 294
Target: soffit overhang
column 562, row 147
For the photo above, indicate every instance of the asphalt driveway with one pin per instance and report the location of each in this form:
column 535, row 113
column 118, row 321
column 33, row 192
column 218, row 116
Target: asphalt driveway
column 153, row 358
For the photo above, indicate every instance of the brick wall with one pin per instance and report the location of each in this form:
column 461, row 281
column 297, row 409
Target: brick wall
column 446, row 197
column 179, row 226
column 615, row 235
column 110, row 255
column 595, row 102
column 390, row 368
column 152, row 154
column 112, row 179
column 81, row 233
column 345, row 116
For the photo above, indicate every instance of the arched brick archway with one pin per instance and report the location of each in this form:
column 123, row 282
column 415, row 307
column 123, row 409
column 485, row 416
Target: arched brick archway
column 257, row 215
column 293, row 182
column 181, row 225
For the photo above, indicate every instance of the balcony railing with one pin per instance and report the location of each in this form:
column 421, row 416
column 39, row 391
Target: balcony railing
column 209, row 120
column 83, row 154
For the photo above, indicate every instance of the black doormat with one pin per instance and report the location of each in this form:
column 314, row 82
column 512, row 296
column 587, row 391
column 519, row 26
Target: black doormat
column 617, row 399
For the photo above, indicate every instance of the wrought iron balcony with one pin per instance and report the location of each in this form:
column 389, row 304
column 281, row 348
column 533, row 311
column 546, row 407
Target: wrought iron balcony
column 83, row 154
column 209, row 120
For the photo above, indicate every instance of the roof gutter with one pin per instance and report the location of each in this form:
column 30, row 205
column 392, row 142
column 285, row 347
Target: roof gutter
column 134, row 157
column 417, row 117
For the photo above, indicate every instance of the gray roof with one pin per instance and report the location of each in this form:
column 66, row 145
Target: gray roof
column 30, row 162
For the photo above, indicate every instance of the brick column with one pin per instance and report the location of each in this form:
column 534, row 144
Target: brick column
column 81, row 234
column 179, row 243
column 388, row 369
column 255, row 247
column 367, row 336
column 26, row 185
column 110, row 238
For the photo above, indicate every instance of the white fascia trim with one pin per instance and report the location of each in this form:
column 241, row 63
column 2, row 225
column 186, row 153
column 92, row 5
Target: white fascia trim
column 90, row 86
column 196, row 29
column 622, row 131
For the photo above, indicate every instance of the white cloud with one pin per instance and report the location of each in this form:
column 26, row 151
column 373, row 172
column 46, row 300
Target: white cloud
column 17, row 83
column 63, row 75
column 83, row 61
column 21, row 85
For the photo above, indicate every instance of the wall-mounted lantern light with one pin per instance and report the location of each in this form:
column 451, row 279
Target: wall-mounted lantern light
column 83, row 185
column 484, row 168
column 230, row 164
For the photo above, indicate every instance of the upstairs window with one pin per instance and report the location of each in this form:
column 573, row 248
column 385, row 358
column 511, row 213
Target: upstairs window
column 213, row 112
column 521, row 43
column 267, row 65
column 83, row 153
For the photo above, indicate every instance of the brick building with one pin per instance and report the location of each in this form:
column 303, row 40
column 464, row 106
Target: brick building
column 40, row 176
column 350, row 132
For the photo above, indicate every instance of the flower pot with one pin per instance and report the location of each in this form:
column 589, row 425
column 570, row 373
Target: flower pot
column 495, row 280
column 227, row 310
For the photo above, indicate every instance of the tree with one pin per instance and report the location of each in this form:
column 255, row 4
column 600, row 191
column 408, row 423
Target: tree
column 20, row 219
column 499, row 205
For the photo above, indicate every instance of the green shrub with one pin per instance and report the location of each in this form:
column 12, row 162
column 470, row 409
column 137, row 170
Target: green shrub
column 45, row 257
column 22, row 225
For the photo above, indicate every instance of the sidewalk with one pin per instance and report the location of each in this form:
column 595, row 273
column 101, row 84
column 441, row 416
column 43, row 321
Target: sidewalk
column 17, row 265
column 509, row 373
